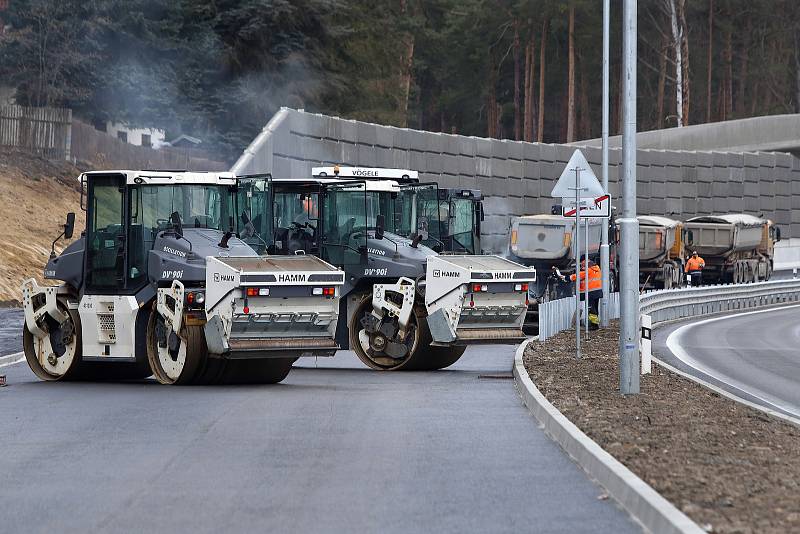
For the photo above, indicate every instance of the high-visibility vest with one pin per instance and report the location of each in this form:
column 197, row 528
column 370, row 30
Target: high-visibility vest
column 595, row 279
column 695, row 264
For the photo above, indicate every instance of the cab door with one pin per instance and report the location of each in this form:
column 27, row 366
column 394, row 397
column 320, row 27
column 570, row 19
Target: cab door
column 105, row 235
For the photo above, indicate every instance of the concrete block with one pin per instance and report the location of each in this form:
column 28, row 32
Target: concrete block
column 795, row 163
column 783, row 160
column 736, row 174
column 366, row 133
column 500, row 167
column 532, row 187
column 514, row 187
column 767, row 159
column 483, row 166
column 720, row 205
column 643, row 157
column 530, row 169
column 549, row 171
column 721, row 174
column 449, row 180
column 795, row 217
column 467, row 146
column 673, row 174
column 450, row 144
column 783, row 189
column 300, row 169
column 516, row 150
column 688, row 174
column 752, row 204
column 666, row 207
column 734, row 190
column 751, row 159
column 736, row 204
column 366, row 156
column 418, row 140
column 383, row 157
column 434, row 163
column 657, row 173
column 515, row 168
column 783, row 203
column 499, row 148
column 434, row 142
column 719, row 189
column 530, row 206
column 483, row 147
column 547, row 152
column 401, row 138
column 792, row 231
column 658, row 190
column 416, row 160
column 384, row 136
column 795, row 187
column 615, row 156
column 704, row 159
column 563, row 153
column 751, row 174
column 310, row 124
column 531, row 151
column 766, row 203
column 449, row 164
column 401, row 159
column 705, row 206
column 642, row 188
column 468, row 182
column 720, row 159
column 613, row 190
column 705, row 174
column 688, row 206
column 736, row 159
column 348, row 154
column 676, row 190
column 782, row 217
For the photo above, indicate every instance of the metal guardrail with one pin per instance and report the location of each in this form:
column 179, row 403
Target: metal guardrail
column 558, row 315
column 672, row 304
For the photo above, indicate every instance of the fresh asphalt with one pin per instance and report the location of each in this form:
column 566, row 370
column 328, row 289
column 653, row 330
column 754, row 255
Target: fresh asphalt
column 334, row 448
column 754, row 355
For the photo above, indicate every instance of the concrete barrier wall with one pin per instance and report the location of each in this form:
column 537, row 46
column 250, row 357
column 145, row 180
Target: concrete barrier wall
column 516, row 177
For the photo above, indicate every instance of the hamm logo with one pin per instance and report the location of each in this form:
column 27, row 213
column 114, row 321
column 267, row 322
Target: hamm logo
column 502, row 276
column 223, row 278
column 291, row 278
column 437, row 273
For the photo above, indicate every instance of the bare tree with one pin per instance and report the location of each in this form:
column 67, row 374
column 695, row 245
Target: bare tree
column 673, row 9
column 540, row 107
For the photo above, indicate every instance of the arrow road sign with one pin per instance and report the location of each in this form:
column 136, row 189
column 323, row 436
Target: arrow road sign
column 592, row 208
column 588, row 185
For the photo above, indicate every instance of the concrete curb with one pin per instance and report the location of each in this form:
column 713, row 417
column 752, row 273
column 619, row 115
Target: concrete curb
column 640, row 500
column 11, row 359
column 732, row 396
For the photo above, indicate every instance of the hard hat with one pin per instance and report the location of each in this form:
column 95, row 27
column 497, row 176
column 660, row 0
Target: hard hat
column 694, row 253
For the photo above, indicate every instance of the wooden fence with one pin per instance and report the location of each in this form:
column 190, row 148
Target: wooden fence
column 103, row 151
column 44, row 131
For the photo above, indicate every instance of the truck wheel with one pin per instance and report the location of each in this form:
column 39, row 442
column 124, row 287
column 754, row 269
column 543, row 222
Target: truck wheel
column 376, row 358
column 179, row 364
column 262, row 371
column 42, row 353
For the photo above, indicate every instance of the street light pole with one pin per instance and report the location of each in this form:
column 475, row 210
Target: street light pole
column 629, row 226
column 605, row 264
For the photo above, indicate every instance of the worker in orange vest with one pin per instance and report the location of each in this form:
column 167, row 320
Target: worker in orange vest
column 694, row 268
column 595, row 287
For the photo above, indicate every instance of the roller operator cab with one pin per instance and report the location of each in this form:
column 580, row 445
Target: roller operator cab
column 448, row 218
column 407, row 306
column 158, row 283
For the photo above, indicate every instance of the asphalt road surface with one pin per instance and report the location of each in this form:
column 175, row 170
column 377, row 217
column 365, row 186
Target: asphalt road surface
column 755, row 355
column 337, row 448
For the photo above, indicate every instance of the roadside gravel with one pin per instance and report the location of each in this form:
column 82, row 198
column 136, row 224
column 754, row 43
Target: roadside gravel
column 728, row 467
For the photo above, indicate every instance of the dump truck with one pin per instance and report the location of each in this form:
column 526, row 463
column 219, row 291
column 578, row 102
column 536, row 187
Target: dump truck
column 406, row 306
column 661, row 252
column 158, row 283
column 546, row 242
column 736, row 247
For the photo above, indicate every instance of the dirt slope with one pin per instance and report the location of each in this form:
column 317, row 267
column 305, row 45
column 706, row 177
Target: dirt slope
column 35, row 196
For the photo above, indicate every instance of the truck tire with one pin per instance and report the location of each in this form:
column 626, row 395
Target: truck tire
column 38, row 352
column 176, row 367
column 260, row 371
column 381, row 361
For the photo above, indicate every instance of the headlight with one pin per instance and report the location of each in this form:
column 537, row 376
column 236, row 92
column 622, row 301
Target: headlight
column 200, row 298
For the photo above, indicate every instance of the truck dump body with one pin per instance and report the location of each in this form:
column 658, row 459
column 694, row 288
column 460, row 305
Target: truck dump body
column 723, row 235
column 550, row 238
column 657, row 238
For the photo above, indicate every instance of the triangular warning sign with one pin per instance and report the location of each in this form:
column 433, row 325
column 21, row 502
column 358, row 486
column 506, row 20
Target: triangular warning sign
column 587, row 185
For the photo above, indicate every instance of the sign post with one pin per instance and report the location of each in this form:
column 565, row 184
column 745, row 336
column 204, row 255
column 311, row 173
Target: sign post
column 580, row 196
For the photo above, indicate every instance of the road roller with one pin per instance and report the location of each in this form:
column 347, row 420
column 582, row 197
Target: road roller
column 404, row 306
column 160, row 284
